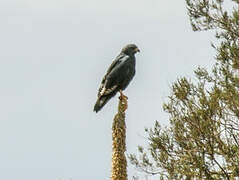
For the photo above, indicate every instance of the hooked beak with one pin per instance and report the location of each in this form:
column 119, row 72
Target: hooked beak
column 136, row 50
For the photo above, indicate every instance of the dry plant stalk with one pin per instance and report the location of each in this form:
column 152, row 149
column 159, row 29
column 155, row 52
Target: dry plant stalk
column 119, row 163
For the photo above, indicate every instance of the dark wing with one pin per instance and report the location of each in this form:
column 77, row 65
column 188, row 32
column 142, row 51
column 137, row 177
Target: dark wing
column 110, row 84
column 114, row 67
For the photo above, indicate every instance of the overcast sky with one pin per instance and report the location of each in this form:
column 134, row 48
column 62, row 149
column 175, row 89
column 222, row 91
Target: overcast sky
column 54, row 54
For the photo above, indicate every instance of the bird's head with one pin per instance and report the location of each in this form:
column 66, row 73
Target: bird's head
column 130, row 49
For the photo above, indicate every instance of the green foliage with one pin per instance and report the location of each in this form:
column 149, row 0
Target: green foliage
column 202, row 141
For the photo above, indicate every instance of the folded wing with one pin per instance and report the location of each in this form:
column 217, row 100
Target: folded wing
column 110, row 84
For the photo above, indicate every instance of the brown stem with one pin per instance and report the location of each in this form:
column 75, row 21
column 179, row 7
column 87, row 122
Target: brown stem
column 119, row 163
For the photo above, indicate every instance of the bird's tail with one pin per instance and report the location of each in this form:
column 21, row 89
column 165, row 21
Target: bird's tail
column 101, row 101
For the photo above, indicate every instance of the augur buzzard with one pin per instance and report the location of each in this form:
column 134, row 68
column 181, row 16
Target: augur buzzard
column 118, row 76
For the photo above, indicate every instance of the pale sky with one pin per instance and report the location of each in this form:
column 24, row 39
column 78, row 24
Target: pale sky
column 54, row 54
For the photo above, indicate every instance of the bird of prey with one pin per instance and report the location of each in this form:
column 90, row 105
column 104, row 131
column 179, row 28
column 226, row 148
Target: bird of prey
column 118, row 76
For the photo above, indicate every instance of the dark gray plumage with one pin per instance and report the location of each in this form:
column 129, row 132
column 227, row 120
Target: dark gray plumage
column 118, row 76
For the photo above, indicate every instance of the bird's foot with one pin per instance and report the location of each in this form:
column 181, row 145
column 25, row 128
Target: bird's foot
column 123, row 99
column 122, row 96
